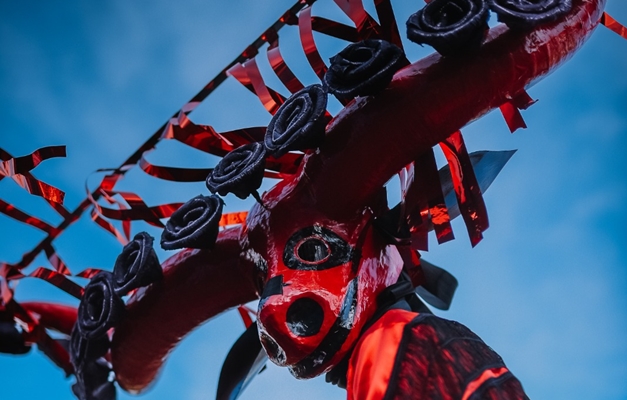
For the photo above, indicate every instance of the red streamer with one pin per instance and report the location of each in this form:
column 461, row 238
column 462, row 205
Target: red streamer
column 366, row 26
column 389, row 29
column 89, row 273
column 308, row 43
column 430, row 209
column 55, row 261
column 512, row 116
column 613, row 25
column 18, row 168
column 106, row 225
column 234, row 218
column 334, row 29
column 244, row 312
column 57, row 279
column 13, row 212
column 511, row 110
column 469, row 197
column 174, row 173
column 282, row 71
column 248, row 74
column 20, row 165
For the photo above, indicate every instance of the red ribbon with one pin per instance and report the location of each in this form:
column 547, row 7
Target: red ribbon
column 56, row 261
column 613, row 25
column 389, row 29
column 11, row 211
column 511, row 110
column 428, row 209
column 467, row 190
column 18, row 168
column 282, row 71
column 248, row 74
column 308, row 43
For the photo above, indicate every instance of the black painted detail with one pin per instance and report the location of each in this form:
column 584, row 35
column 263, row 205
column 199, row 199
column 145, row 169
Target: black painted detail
column 452, row 27
column 11, row 339
column 316, row 362
column 439, row 286
column 315, row 249
column 393, row 227
column 241, row 364
column 274, row 351
column 525, row 15
column 304, row 317
column 274, row 286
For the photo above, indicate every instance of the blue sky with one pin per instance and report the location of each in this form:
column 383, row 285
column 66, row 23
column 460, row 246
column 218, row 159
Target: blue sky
column 545, row 289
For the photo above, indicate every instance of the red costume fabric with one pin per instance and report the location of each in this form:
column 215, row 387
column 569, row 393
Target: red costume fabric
column 406, row 355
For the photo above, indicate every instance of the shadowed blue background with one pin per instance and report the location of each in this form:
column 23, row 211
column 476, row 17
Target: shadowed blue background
column 546, row 288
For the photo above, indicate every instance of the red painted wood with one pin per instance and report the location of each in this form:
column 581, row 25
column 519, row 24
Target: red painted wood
column 197, row 285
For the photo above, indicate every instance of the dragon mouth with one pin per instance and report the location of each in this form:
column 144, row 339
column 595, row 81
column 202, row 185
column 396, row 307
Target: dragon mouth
column 316, row 362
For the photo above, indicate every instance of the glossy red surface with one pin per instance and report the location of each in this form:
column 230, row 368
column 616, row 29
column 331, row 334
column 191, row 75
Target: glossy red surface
column 339, row 187
column 55, row 316
column 197, row 285
column 288, row 211
column 373, row 138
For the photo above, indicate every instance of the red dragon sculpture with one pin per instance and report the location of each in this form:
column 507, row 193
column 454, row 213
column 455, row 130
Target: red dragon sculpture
column 334, row 266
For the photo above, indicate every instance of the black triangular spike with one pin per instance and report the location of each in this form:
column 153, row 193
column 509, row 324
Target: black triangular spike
column 439, row 286
column 486, row 163
column 244, row 361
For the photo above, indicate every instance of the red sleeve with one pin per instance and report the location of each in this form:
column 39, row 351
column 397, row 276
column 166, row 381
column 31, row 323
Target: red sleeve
column 442, row 359
column 371, row 364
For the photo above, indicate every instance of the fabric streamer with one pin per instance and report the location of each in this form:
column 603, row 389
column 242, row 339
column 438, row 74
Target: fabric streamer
column 18, row 168
column 469, row 197
column 613, row 25
column 511, row 110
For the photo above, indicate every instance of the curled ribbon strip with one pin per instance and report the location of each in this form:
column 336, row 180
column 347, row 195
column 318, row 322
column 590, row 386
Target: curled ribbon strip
column 246, row 314
column 389, row 29
column 138, row 209
column 200, row 137
column 55, row 261
column 174, row 173
column 467, row 190
column 308, row 43
column 106, row 225
column 19, row 165
column 234, row 218
column 55, row 196
column 58, row 207
column 17, row 168
column 334, row 29
column 366, row 26
column 511, row 110
column 426, row 192
column 248, row 74
column 55, row 278
column 613, row 25
column 6, row 294
column 15, row 213
column 282, row 71
column 89, row 273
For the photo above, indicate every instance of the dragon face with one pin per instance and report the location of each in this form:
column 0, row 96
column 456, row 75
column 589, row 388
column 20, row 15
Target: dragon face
column 320, row 280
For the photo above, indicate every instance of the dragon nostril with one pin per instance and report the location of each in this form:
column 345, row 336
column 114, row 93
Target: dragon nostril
column 274, row 351
column 305, row 317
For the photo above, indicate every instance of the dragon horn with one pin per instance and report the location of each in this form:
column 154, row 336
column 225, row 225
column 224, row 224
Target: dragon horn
column 372, row 138
column 196, row 285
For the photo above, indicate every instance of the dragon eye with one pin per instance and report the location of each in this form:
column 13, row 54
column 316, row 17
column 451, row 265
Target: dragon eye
column 316, row 248
column 313, row 250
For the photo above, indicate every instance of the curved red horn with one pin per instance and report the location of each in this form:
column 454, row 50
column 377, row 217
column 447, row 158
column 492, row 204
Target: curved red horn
column 431, row 99
column 197, row 285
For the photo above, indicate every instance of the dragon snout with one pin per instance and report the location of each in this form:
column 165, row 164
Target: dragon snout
column 304, row 317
